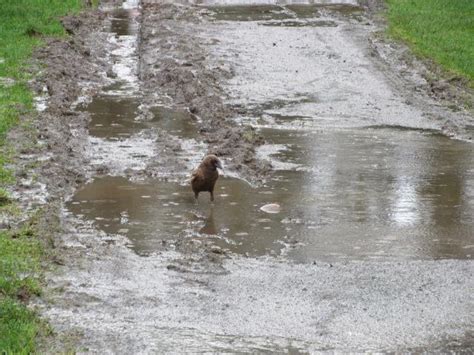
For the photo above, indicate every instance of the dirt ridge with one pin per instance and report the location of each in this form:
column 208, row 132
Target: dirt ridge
column 173, row 62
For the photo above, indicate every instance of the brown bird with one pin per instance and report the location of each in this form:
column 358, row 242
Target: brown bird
column 205, row 176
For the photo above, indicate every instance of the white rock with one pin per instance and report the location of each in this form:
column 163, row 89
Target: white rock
column 271, row 208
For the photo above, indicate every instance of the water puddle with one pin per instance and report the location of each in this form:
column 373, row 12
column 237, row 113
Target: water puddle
column 362, row 195
column 280, row 13
column 119, row 139
column 114, row 117
column 123, row 22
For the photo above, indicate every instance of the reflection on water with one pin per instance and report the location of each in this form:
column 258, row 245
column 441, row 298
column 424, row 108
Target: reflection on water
column 123, row 22
column 353, row 194
column 113, row 116
column 114, row 113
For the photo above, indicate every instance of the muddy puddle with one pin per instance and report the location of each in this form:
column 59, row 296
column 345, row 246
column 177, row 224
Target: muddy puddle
column 355, row 194
column 348, row 186
column 115, row 112
column 276, row 13
column 114, row 117
column 123, row 21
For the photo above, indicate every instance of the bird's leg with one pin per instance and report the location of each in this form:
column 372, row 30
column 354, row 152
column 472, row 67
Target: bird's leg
column 212, row 196
column 196, row 194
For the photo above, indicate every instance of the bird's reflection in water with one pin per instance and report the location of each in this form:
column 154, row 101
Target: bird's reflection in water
column 209, row 226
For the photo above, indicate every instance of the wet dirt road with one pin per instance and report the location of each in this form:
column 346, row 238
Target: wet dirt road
column 371, row 249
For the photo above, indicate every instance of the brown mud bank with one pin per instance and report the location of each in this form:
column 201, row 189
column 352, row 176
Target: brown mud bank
column 174, row 63
column 52, row 144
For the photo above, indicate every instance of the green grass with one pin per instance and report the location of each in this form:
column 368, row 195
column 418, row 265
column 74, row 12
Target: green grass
column 442, row 30
column 23, row 26
column 20, row 257
column 18, row 328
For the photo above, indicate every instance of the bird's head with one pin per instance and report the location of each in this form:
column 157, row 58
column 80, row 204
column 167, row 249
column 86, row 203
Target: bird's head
column 212, row 162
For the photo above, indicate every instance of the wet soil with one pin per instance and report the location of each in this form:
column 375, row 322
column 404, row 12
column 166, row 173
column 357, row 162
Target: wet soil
column 174, row 64
column 370, row 248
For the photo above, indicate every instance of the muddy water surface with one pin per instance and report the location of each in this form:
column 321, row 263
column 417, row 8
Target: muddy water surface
column 113, row 117
column 363, row 194
column 349, row 185
column 276, row 13
column 124, row 23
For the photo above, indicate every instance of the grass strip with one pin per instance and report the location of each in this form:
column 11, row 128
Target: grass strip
column 438, row 29
column 20, row 256
column 23, row 25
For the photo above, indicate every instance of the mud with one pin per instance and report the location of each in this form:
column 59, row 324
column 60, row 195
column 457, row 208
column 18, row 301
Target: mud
column 371, row 247
column 50, row 145
column 174, row 63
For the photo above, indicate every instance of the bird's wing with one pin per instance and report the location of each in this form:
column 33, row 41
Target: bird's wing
column 195, row 176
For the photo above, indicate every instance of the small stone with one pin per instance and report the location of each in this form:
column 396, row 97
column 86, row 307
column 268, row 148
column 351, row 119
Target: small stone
column 271, row 208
